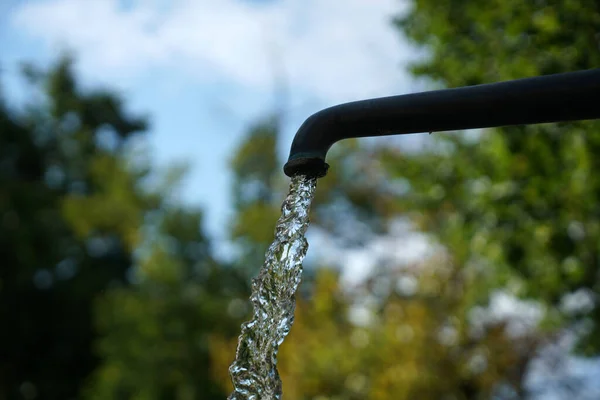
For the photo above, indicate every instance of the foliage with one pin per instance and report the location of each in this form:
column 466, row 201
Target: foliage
column 521, row 201
column 70, row 213
column 156, row 334
column 416, row 346
column 83, row 216
column 256, row 192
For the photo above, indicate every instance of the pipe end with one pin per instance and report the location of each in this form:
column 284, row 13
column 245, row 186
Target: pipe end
column 311, row 167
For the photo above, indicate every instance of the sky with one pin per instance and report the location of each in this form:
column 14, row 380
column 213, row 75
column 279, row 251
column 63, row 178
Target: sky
column 204, row 69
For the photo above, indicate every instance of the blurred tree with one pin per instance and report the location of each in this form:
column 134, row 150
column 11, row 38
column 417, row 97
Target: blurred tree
column 404, row 346
column 255, row 194
column 69, row 217
column 427, row 344
column 85, row 221
column 156, row 334
column 520, row 202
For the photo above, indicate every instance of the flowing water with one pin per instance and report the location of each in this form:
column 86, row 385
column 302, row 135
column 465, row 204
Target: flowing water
column 254, row 371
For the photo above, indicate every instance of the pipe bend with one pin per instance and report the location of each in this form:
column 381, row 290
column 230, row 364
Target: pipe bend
column 552, row 98
column 322, row 129
column 314, row 138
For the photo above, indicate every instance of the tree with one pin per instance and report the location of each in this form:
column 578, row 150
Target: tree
column 70, row 212
column 520, row 202
column 256, row 191
column 106, row 283
column 156, row 334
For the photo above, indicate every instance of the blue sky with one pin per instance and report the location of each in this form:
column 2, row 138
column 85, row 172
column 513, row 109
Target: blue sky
column 205, row 69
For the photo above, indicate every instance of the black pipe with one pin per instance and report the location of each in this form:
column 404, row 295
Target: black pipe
column 551, row 98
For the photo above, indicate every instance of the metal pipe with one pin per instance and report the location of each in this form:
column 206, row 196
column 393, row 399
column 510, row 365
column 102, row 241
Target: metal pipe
column 551, row 98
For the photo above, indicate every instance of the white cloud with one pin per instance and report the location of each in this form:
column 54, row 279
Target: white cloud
column 333, row 50
column 521, row 316
column 223, row 53
column 402, row 246
column 107, row 39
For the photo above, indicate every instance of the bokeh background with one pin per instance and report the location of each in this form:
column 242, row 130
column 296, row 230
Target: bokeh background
column 141, row 153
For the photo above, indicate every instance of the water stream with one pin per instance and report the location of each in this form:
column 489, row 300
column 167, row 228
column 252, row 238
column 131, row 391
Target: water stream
column 254, row 371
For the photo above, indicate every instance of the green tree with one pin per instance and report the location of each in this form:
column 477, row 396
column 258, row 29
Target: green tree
column 70, row 211
column 156, row 335
column 420, row 345
column 257, row 188
column 108, row 288
column 520, row 202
